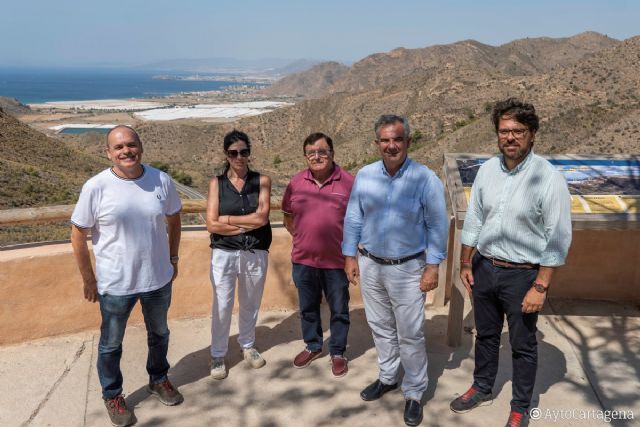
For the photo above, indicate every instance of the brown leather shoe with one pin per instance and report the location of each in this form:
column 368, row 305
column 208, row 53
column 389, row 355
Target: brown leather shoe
column 339, row 366
column 305, row 357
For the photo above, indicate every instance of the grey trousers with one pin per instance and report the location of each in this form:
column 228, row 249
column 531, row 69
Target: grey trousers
column 394, row 306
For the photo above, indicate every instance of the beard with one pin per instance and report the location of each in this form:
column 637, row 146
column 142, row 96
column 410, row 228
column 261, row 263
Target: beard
column 515, row 151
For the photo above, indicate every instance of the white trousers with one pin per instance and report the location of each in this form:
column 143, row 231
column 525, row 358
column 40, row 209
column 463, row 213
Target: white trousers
column 394, row 306
column 249, row 269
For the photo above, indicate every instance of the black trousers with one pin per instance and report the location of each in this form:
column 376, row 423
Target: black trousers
column 498, row 292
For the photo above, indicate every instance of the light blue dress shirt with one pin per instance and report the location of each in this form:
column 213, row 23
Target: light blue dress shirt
column 397, row 216
column 519, row 215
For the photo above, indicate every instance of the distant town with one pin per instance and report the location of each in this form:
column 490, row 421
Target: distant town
column 260, row 80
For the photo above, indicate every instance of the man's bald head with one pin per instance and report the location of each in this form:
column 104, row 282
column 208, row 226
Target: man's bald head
column 124, row 149
column 123, row 129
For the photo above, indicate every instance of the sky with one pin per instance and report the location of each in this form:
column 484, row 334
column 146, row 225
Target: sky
column 73, row 33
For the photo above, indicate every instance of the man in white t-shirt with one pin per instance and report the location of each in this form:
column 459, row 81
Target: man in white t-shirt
column 132, row 212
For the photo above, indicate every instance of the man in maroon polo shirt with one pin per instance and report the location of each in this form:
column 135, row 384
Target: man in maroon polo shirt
column 314, row 205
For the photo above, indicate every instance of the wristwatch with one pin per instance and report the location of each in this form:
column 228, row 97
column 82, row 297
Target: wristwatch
column 540, row 287
column 174, row 259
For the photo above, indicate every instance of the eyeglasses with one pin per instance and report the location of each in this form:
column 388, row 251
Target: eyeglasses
column 517, row 132
column 245, row 152
column 319, row 153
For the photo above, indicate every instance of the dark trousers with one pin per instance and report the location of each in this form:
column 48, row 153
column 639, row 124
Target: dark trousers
column 498, row 292
column 311, row 282
column 115, row 312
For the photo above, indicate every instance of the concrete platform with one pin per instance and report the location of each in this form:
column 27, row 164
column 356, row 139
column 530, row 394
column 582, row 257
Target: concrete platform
column 589, row 363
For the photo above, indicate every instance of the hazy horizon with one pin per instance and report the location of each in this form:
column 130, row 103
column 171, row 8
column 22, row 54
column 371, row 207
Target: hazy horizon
column 123, row 34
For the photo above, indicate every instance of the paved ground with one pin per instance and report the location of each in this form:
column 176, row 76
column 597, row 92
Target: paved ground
column 589, row 362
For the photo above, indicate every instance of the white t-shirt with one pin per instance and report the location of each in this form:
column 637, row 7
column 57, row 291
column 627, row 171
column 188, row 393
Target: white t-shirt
column 128, row 229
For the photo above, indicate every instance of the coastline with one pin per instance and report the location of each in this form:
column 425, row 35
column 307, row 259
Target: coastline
column 217, row 106
column 100, row 104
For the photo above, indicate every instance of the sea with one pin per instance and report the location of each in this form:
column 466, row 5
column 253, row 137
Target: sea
column 34, row 85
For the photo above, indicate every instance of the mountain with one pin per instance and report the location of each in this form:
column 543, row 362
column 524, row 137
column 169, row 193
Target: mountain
column 591, row 105
column 588, row 99
column 539, row 55
column 521, row 57
column 13, row 106
column 227, row 65
column 311, row 83
column 588, row 105
column 297, row 66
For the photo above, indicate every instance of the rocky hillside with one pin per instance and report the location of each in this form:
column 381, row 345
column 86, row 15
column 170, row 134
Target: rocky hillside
column 36, row 170
column 590, row 106
column 312, row 83
column 586, row 89
column 521, row 57
column 13, row 106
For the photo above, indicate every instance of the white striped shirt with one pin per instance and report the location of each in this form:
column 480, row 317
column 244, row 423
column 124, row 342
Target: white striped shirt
column 519, row 215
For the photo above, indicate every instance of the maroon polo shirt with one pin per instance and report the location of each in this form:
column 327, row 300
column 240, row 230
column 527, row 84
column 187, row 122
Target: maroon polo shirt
column 318, row 216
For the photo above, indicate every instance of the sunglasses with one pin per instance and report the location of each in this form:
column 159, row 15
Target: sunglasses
column 245, row 152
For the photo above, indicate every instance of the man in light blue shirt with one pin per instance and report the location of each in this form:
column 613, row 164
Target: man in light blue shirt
column 397, row 220
column 519, row 222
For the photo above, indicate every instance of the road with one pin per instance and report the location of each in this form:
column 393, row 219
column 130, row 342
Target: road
column 191, row 194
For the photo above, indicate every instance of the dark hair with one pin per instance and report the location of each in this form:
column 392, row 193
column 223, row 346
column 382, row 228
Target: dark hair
column 231, row 138
column 317, row 136
column 389, row 119
column 135, row 134
column 235, row 136
column 517, row 110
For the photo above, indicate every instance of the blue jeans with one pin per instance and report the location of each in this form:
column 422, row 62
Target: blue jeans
column 499, row 292
column 311, row 283
column 115, row 310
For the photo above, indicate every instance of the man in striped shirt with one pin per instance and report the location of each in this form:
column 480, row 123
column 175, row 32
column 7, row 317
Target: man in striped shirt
column 519, row 225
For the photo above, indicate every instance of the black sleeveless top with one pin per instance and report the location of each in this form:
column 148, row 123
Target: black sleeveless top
column 232, row 202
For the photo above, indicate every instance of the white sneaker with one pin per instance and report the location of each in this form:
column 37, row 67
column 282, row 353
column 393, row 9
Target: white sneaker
column 218, row 369
column 253, row 358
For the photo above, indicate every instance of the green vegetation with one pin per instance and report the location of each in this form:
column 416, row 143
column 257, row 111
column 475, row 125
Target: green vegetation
column 182, row 178
column 416, row 140
column 351, row 166
column 178, row 175
column 160, row 165
column 416, row 136
column 51, row 231
column 371, row 159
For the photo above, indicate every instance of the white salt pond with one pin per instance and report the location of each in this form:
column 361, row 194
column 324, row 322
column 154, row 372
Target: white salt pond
column 212, row 111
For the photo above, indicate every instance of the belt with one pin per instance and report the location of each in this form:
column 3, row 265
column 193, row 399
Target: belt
column 389, row 261
column 508, row 264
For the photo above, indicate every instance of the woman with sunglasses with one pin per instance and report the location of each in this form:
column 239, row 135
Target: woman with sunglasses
column 238, row 220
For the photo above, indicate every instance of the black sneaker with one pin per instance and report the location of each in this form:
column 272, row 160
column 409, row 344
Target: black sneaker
column 119, row 414
column 517, row 419
column 471, row 399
